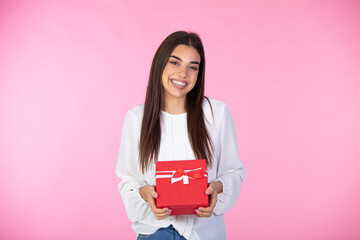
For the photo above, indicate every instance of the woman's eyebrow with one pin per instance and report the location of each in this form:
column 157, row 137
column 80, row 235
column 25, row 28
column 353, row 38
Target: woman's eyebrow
column 192, row 62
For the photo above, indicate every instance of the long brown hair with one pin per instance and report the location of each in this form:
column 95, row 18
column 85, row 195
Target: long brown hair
column 150, row 136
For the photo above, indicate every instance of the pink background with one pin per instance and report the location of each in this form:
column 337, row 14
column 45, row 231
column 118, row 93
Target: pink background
column 289, row 71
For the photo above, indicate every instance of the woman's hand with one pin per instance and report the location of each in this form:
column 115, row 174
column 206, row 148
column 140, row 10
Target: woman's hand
column 148, row 194
column 213, row 190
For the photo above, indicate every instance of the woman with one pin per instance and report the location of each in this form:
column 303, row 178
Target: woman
column 178, row 123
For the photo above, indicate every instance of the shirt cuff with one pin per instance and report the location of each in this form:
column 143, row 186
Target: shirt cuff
column 138, row 195
column 224, row 198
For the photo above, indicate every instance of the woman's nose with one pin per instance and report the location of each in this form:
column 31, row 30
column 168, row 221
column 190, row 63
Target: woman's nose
column 183, row 72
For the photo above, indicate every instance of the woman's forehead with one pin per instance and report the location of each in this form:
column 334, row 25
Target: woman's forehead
column 186, row 53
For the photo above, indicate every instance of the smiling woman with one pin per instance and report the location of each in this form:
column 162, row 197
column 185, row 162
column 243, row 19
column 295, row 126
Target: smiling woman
column 177, row 122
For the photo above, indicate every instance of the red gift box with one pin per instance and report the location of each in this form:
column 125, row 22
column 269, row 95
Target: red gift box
column 181, row 186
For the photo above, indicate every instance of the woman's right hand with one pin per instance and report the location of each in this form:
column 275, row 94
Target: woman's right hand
column 148, row 194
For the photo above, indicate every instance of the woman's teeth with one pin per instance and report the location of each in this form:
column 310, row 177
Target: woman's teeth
column 179, row 83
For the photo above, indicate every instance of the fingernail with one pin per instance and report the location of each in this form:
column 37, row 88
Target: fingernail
column 155, row 195
column 207, row 191
column 170, row 212
column 196, row 211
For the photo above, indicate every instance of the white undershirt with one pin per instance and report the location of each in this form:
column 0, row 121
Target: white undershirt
column 175, row 145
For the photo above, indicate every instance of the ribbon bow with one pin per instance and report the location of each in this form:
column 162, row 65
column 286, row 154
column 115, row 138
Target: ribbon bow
column 184, row 175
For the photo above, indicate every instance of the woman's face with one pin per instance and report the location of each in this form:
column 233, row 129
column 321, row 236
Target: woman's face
column 181, row 71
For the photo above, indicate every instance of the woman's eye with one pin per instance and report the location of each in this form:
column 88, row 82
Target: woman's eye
column 194, row 68
column 173, row 63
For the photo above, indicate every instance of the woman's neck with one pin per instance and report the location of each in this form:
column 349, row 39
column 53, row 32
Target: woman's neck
column 174, row 105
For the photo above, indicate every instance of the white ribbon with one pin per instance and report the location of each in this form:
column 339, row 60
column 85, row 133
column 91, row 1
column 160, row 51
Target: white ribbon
column 185, row 178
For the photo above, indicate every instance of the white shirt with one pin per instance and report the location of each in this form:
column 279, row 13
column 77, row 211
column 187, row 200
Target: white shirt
column 175, row 145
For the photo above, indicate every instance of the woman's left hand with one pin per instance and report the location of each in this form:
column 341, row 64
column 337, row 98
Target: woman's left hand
column 213, row 190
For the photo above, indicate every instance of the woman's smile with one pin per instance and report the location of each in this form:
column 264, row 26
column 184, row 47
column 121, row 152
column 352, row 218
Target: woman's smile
column 181, row 84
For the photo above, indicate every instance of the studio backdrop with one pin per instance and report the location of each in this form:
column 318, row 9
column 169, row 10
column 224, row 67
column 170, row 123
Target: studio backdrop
column 288, row 70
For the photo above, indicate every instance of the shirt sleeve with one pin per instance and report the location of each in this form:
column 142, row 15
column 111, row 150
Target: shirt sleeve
column 231, row 171
column 127, row 169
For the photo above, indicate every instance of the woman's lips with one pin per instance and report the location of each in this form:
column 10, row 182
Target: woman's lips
column 181, row 84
